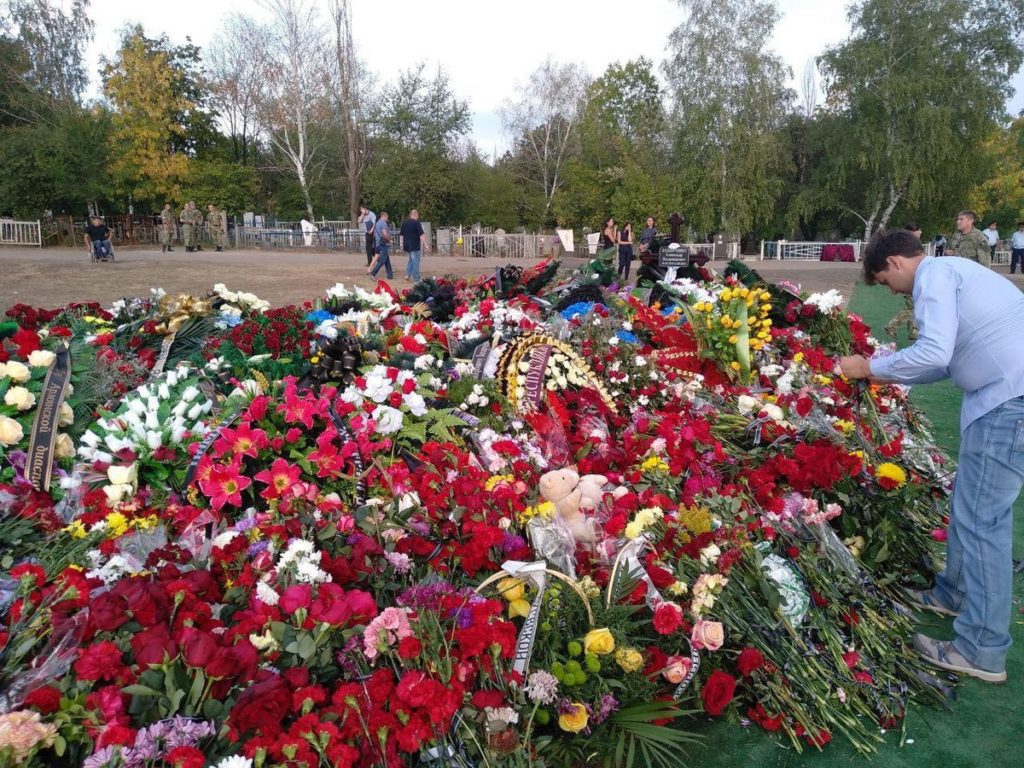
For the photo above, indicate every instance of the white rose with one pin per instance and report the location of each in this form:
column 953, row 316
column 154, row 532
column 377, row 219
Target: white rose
column 123, row 475
column 64, row 447
column 20, row 398
column 41, row 358
column 17, row 371
column 115, row 493
column 388, row 419
column 67, row 415
column 746, row 403
column 10, row 431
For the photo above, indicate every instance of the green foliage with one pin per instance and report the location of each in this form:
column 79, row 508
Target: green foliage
column 229, row 186
column 919, row 86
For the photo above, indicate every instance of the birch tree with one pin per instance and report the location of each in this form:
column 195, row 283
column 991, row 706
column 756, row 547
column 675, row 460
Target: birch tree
column 920, row 84
column 729, row 101
column 238, row 66
column 295, row 111
column 349, row 103
column 542, row 121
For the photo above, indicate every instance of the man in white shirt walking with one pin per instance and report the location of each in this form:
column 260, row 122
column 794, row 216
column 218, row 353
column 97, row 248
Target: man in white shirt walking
column 1017, row 248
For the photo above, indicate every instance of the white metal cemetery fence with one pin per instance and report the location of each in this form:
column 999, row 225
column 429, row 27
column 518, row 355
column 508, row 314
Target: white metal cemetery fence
column 803, row 251
column 20, row 233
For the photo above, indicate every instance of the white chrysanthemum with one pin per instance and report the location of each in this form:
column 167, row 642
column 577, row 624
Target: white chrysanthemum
column 265, row 594
column 235, row 761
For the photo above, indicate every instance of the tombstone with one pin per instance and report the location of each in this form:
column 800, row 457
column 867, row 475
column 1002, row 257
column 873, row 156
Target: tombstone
column 248, row 219
column 675, row 222
column 444, row 240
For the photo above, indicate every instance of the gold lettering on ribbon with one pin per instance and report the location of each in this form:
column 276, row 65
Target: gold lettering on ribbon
column 534, row 386
column 39, row 465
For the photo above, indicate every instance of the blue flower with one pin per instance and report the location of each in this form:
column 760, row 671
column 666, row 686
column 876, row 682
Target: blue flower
column 579, row 308
column 627, row 336
column 318, row 316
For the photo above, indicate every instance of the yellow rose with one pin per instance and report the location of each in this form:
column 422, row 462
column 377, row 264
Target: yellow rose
column 519, row 607
column 67, row 415
column 10, row 431
column 599, row 641
column 20, row 398
column 575, row 720
column 41, row 358
column 630, row 659
column 511, row 589
column 17, row 371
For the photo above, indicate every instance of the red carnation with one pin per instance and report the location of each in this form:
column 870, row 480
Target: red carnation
column 718, row 692
column 750, row 660
column 45, row 700
column 668, row 617
column 98, row 662
column 185, row 757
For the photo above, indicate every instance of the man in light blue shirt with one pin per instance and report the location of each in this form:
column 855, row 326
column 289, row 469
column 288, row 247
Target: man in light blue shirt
column 1017, row 248
column 971, row 323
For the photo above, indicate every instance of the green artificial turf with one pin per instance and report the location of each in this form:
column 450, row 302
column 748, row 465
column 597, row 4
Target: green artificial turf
column 983, row 727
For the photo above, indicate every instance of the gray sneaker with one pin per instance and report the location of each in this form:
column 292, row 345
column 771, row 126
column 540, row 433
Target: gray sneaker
column 925, row 600
column 942, row 654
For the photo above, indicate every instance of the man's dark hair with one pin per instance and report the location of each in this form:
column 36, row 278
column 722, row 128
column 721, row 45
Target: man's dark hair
column 894, row 242
column 911, row 226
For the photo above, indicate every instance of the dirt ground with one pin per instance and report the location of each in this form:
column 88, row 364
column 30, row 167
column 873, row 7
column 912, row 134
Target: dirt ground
column 53, row 277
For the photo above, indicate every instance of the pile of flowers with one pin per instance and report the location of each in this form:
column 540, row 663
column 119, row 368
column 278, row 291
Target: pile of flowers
column 556, row 524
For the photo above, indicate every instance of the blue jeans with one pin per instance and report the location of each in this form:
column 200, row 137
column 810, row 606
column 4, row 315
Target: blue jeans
column 384, row 260
column 412, row 269
column 978, row 579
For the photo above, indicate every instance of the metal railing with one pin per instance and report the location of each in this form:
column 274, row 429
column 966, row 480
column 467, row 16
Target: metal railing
column 508, row 246
column 808, row 251
column 20, row 233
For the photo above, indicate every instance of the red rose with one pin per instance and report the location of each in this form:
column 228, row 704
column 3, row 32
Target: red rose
column 668, row 617
column 749, row 660
column 197, row 648
column 185, row 757
column 330, row 605
column 363, row 605
column 223, row 664
column 153, row 647
column 45, row 700
column 296, row 597
column 107, row 612
column 718, row 692
column 147, row 602
column 262, row 707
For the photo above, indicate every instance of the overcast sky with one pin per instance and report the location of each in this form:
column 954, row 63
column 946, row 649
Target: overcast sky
column 487, row 48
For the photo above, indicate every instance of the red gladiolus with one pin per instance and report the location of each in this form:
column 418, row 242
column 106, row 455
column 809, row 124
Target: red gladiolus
column 225, row 485
column 279, row 478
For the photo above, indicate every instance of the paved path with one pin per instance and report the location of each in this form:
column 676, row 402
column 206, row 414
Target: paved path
column 53, row 277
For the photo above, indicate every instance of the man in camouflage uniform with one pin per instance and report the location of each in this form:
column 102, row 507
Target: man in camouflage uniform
column 187, row 227
column 968, row 241
column 215, row 225
column 197, row 228
column 166, row 228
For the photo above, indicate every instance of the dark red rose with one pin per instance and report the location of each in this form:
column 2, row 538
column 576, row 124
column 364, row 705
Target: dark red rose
column 718, row 692
column 295, row 597
column 153, row 646
column 248, row 659
column 107, row 612
column 198, row 648
column 147, row 602
column 224, row 664
column 261, row 707
column 749, row 660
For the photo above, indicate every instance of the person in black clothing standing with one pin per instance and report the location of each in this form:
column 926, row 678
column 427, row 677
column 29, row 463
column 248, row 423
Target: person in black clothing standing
column 625, row 250
column 414, row 242
column 368, row 220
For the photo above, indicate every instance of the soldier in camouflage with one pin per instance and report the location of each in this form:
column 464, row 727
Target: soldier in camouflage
column 968, row 241
column 166, row 228
column 215, row 225
column 185, row 217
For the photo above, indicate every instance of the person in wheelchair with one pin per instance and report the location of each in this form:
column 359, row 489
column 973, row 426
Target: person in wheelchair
column 97, row 238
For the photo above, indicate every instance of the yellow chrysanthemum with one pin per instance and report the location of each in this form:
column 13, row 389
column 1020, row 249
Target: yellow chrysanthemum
column 890, row 475
column 654, row 464
column 493, row 480
column 630, row 659
column 117, row 524
column 76, row 530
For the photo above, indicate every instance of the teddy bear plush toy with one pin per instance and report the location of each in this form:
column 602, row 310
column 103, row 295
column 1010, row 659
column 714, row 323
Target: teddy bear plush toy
column 572, row 495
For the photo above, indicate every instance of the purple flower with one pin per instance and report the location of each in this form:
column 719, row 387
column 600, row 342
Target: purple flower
column 606, row 706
